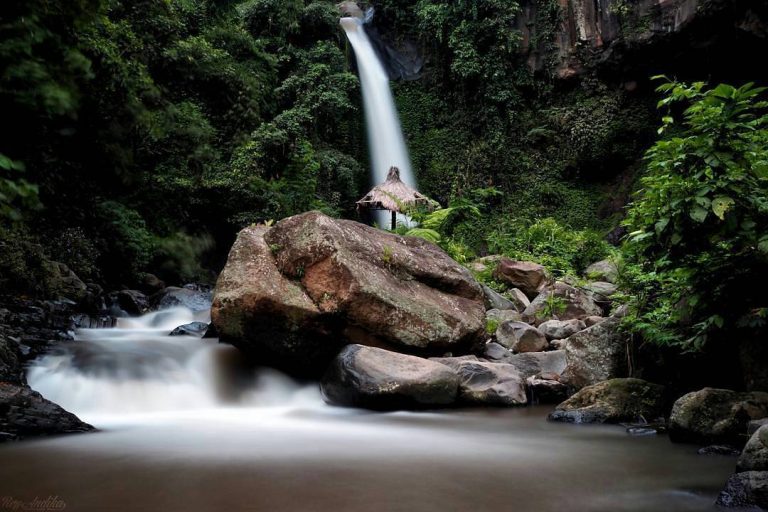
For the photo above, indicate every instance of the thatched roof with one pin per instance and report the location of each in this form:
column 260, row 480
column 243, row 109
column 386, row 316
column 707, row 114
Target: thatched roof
column 393, row 195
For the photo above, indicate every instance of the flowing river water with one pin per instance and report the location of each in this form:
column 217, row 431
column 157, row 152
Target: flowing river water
column 185, row 426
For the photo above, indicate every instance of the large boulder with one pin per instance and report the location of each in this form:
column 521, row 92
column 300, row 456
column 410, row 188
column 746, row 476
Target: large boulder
column 596, row 354
column 490, row 384
column 309, row 284
column 755, row 454
column 527, row 276
column 25, row 413
column 745, row 491
column 716, row 416
column 604, row 270
column 613, row 401
column 521, row 337
column 562, row 301
column 379, row 379
column 561, row 329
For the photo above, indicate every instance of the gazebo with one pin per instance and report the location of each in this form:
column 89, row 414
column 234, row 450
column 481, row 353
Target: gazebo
column 395, row 196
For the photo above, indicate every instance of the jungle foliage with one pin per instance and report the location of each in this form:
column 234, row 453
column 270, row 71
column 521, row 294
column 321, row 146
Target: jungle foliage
column 139, row 125
column 697, row 256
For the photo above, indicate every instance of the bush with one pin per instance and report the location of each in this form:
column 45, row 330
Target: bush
column 699, row 224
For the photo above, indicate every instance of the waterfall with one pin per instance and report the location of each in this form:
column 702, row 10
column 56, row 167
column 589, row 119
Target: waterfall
column 385, row 136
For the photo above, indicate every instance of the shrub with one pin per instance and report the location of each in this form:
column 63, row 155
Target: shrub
column 699, row 224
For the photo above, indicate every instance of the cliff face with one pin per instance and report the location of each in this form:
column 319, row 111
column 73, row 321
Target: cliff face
column 596, row 28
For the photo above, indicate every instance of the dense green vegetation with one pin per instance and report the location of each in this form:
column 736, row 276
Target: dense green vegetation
column 141, row 126
column 698, row 253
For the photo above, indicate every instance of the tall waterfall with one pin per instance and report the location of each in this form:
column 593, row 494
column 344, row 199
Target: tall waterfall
column 385, row 136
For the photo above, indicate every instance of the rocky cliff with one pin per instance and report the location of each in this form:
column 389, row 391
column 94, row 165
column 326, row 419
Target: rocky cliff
column 596, row 29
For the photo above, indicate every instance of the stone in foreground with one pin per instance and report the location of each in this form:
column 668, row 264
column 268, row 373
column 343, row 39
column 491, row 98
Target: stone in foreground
column 755, row 454
column 25, row 413
column 716, row 416
column 745, row 490
column 378, row 379
column 293, row 294
column 490, row 384
column 613, row 401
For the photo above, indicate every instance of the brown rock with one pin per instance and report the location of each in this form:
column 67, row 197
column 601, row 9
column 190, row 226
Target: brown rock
column 521, row 337
column 529, row 277
column 316, row 282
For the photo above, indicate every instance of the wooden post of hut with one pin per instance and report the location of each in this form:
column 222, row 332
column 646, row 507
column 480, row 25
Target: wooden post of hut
column 393, row 195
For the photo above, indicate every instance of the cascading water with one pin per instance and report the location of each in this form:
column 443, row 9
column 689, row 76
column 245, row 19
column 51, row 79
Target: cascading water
column 185, row 425
column 385, row 136
column 137, row 367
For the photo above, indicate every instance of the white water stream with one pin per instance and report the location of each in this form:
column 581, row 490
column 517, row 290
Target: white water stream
column 186, row 426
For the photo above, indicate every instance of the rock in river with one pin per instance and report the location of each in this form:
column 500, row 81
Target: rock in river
column 379, row 379
column 716, row 416
column 490, row 384
column 25, row 413
column 295, row 293
column 613, row 401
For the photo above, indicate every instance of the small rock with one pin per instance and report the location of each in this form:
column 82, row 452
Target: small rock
column 490, row 384
column 519, row 299
column 150, row 284
column 604, row 270
column 496, row 352
column 521, row 337
column 495, row 300
column 593, row 320
column 527, row 276
column 560, row 329
column 133, row 302
column 613, row 401
column 196, row 329
column 502, row 315
column 172, row 296
column 563, row 302
column 545, row 390
column 601, row 288
column 379, row 379
column 719, row 449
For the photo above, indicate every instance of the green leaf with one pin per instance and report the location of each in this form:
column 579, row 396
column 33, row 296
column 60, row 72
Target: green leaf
column 698, row 214
column 721, row 204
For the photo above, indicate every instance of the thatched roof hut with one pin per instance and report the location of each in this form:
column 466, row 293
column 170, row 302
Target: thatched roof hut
column 395, row 196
